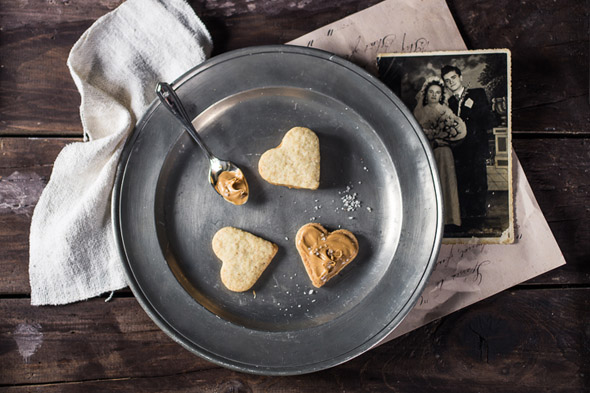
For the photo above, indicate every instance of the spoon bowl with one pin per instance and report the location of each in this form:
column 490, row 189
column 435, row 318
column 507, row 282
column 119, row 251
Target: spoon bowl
column 227, row 178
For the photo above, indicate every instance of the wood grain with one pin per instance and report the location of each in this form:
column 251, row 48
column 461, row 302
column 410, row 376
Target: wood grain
column 533, row 338
column 37, row 94
column 505, row 343
column 549, row 45
column 25, row 167
column 559, row 170
column 548, row 41
column 38, row 35
column 556, row 168
column 85, row 341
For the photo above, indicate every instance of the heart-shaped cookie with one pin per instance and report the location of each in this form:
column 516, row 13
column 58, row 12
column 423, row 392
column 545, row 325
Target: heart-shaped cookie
column 244, row 257
column 325, row 254
column 295, row 163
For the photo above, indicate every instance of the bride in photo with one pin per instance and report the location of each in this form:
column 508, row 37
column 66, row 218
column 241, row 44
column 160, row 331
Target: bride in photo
column 442, row 128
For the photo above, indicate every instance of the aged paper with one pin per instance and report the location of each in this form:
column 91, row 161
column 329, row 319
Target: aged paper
column 464, row 274
column 391, row 26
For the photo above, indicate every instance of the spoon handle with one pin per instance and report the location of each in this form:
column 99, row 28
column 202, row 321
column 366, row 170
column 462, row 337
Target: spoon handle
column 171, row 101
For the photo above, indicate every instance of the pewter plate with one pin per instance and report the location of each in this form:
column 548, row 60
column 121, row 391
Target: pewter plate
column 378, row 180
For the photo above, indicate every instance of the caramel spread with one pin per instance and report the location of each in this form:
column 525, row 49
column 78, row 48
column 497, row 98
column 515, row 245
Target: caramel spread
column 232, row 186
column 325, row 254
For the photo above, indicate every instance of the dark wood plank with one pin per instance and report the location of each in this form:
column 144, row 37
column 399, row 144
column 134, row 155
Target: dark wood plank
column 549, row 45
column 85, row 341
column 558, row 171
column 525, row 341
column 236, row 24
column 37, row 93
column 533, row 338
column 25, row 167
column 556, row 168
column 19, row 14
column 548, row 40
column 37, row 37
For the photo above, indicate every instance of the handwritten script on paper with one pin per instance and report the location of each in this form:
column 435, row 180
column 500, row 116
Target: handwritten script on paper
column 464, row 274
column 360, row 51
column 390, row 26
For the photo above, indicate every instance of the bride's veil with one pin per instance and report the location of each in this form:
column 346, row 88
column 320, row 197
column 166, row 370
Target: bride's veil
column 422, row 92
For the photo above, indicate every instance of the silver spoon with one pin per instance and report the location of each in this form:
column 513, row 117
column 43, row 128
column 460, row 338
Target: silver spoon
column 225, row 177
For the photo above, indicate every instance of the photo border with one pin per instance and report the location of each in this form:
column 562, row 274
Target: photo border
column 508, row 234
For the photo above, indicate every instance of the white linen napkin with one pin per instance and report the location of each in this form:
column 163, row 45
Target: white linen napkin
column 115, row 65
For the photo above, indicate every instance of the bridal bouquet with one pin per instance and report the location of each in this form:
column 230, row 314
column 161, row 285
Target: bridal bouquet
column 446, row 127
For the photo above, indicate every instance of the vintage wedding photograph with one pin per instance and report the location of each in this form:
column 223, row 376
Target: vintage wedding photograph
column 462, row 102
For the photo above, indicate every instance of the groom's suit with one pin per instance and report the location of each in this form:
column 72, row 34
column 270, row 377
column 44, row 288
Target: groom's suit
column 471, row 152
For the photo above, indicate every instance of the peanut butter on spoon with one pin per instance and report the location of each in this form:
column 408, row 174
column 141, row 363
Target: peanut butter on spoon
column 233, row 187
column 236, row 189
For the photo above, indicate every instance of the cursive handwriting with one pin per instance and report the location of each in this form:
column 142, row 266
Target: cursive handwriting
column 471, row 273
column 419, row 45
column 456, row 253
column 472, row 247
column 445, row 261
column 387, row 43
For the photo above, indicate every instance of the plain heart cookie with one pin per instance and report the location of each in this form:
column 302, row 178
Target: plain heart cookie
column 325, row 254
column 295, row 163
column 244, row 257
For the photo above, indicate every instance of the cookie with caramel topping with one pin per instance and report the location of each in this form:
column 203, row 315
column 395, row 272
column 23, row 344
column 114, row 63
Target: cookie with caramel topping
column 295, row 163
column 324, row 254
column 244, row 257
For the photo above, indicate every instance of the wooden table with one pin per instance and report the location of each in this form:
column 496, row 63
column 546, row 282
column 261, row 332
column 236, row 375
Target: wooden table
column 534, row 337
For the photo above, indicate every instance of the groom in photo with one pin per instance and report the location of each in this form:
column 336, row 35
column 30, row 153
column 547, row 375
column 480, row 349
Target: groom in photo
column 470, row 154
